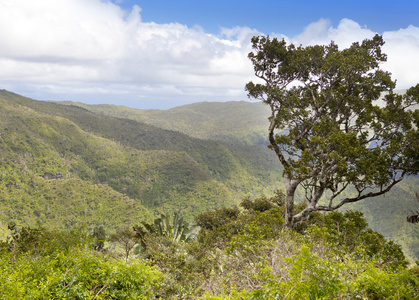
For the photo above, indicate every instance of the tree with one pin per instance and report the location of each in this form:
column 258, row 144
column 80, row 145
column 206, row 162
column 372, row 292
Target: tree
column 126, row 239
column 99, row 238
column 336, row 122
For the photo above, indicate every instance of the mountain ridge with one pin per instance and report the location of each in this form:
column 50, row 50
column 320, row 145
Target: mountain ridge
column 236, row 122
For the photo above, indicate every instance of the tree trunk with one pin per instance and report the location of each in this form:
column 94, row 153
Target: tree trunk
column 290, row 186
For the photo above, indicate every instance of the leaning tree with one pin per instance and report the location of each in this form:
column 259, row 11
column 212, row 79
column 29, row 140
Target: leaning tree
column 336, row 122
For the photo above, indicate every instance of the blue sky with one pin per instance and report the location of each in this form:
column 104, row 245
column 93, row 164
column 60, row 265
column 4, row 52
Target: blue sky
column 287, row 17
column 162, row 54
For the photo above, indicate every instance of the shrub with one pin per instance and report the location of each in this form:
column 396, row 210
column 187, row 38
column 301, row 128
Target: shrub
column 59, row 265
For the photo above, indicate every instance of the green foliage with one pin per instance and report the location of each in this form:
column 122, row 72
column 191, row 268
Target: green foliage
column 260, row 204
column 177, row 231
column 41, row 264
column 74, row 275
column 313, row 277
column 216, row 218
column 165, row 244
column 375, row 283
column 350, row 235
column 309, row 277
column 247, row 256
column 183, row 271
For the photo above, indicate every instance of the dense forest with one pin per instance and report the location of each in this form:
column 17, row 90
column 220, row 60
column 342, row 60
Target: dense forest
column 106, row 202
column 64, row 166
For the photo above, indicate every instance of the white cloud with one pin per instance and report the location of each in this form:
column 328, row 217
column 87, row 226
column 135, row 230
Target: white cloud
column 322, row 32
column 94, row 45
column 75, row 29
column 93, row 49
column 402, row 49
column 401, row 46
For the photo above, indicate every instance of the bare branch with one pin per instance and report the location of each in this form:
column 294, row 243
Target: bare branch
column 359, row 197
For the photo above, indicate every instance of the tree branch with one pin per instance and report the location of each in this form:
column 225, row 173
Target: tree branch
column 360, row 197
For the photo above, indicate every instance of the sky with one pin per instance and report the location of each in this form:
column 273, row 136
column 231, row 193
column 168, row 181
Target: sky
column 162, row 54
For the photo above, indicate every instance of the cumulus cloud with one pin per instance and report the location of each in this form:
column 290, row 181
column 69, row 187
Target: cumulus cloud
column 401, row 46
column 322, row 32
column 402, row 49
column 94, row 50
column 92, row 45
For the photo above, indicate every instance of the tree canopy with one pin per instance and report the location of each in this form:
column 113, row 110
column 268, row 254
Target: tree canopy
column 335, row 121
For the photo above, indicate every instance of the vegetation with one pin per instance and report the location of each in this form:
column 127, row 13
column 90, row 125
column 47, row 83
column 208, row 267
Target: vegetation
column 40, row 264
column 387, row 215
column 178, row 230
column 328, row 126
column 238, row 254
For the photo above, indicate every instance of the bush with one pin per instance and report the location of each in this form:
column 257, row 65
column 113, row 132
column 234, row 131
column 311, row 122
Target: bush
column 216, row 218
column 348, row 233
column 263, row 203
column 376, row 283
column 309, row 277
column 59, row 265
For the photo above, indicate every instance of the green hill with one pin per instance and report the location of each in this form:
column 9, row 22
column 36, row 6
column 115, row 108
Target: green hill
column 64, row 165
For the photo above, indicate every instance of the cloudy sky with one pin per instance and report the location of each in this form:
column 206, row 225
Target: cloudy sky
column 161, row 54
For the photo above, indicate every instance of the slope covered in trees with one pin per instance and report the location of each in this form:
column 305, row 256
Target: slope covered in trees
column 112, row 164
column 68, row 168
column 64, row 165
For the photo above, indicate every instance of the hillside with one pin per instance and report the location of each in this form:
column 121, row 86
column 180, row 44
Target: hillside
column 64, row 166
column 240, row 123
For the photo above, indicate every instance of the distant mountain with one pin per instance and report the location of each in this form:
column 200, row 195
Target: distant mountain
column 239, row 123
column 63, row 165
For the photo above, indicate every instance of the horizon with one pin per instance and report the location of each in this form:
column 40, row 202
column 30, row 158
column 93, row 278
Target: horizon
column 167, row 108
column 165, row 54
